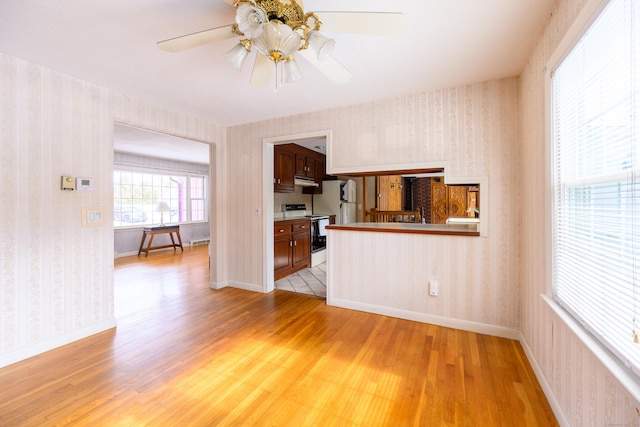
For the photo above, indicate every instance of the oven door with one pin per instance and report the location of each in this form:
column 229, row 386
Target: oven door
column 318, row 234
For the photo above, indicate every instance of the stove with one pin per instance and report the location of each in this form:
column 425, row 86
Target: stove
column 318, row 224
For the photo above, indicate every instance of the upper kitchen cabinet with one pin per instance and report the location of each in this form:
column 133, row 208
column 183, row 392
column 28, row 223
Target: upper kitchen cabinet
column 291, row 161
column 319, row 176
column 283, row 167
column 305, row 164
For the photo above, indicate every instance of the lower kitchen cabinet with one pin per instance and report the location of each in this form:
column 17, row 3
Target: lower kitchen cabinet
column 292, row 246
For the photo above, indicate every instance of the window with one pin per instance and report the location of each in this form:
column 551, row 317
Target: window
column 596, row 217
column 137, row 194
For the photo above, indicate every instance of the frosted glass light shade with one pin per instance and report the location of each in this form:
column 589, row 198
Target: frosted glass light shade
column 292, row 72
column 250, row 20
column 322, row 45
column 237, row 55
column 278, row 41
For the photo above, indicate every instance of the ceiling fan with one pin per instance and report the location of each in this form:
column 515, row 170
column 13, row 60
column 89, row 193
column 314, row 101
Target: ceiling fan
column 280, row 28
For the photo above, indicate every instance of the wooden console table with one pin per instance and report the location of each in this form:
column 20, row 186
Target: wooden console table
column 165, row 229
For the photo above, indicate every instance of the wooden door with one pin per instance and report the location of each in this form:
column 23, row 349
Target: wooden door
column 389, row 193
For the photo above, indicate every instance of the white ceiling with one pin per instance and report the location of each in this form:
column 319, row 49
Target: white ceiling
column 113, row 44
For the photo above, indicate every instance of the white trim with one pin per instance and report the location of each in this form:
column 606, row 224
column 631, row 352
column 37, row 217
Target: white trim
column 34, row 350
column 447, row 322
column 624, row 375
column 218, row 285
column 246, row 286
column 556, row 407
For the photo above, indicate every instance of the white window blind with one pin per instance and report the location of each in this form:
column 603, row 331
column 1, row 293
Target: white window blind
column 596, row 218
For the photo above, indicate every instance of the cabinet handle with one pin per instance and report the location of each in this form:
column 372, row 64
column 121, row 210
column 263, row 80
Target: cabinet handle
column 295, row 243
column 303, row 226
column 282, row 230
column 290, row 243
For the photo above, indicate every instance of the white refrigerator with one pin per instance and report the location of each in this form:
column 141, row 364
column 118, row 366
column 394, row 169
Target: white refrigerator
column 338, row 198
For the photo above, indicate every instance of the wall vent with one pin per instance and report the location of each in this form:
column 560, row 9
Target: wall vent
column 197, row 242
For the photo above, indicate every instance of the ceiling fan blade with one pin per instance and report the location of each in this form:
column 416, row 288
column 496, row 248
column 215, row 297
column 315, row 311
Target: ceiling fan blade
column 200, row 38
column 262, row 69
column 328, row 66
column 374, row 23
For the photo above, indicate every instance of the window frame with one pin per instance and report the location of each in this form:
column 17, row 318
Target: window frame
column 165, row 172
column 627, row 378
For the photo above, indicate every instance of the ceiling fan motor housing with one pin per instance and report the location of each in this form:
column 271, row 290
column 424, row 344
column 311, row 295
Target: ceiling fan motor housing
column 290, row 13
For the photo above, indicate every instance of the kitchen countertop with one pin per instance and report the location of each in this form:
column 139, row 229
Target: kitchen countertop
column 410, row 228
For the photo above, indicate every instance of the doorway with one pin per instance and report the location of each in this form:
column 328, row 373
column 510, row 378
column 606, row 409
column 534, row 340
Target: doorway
column 163, row 168
column 269, row 209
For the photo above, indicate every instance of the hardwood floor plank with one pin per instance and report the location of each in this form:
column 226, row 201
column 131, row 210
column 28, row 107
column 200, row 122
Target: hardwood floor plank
column 184, row 354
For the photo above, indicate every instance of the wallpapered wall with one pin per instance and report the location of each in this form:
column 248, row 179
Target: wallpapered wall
column 56, row 276
column 475, row 127
column 589, row 395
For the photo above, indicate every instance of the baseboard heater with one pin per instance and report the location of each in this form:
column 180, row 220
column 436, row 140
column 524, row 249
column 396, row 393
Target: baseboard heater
column 197, row 242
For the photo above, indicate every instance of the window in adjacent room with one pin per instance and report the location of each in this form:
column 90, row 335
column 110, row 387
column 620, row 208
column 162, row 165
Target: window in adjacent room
column 137, row 194
column 596, row 215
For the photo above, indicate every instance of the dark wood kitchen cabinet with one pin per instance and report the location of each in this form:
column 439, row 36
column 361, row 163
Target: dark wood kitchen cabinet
column 305, row 163
column 292, row 246
column 283, row 170
column 291, row 160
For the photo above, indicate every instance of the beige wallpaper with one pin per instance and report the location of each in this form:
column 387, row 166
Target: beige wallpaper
column 589, row 395
column 475, row 127
column 56, row 276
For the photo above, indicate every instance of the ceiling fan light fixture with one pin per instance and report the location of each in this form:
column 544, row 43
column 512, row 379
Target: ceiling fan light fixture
column 250, row 20
column 321, row 44
column 278, row 41
column 237, row 54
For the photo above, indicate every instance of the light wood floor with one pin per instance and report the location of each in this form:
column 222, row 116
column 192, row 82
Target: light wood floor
column 186, row 355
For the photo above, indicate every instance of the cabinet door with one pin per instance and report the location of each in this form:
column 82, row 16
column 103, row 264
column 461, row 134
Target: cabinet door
column 301, row 248
column 319, row 172
column 310, row 168
column 458, row 196
column 439, row 203
column 283, row 171
column 281, row 252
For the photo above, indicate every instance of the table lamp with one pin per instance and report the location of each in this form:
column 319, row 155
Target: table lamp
column 162, row 208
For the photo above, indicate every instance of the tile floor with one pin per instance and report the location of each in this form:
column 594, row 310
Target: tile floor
column 311, row 281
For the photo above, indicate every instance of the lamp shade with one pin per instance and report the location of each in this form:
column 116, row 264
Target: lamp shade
column 163, row 207
column 322, row 45
column 237, row 55
column 250, row 20
column 292, row 72
column 278, row 41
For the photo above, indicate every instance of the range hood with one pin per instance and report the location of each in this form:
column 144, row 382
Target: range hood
column 304, row 182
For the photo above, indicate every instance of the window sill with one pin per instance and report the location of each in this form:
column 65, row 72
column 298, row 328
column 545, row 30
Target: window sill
column 624, row 375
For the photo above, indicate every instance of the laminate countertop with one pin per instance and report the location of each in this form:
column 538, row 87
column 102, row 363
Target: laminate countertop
column 410, row 228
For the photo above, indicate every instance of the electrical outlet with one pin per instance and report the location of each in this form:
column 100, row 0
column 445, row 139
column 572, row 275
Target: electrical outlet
column 433, row 288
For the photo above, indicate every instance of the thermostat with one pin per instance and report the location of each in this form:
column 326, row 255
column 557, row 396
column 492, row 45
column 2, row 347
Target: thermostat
column 67, row 183
column 84, row 184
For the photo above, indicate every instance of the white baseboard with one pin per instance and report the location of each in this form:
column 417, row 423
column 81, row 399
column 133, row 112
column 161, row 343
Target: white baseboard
column 34, row 350
column 546, row 387
column 447, row 322
column 246, row 286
